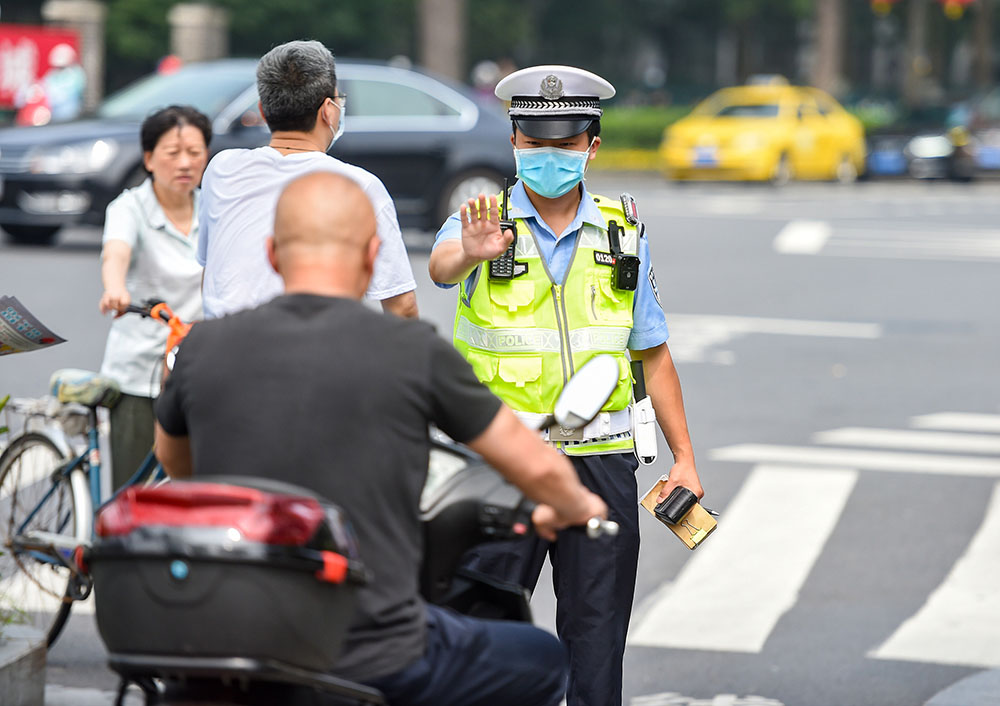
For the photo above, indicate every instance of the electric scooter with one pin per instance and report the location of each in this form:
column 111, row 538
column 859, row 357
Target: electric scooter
column 232, row 591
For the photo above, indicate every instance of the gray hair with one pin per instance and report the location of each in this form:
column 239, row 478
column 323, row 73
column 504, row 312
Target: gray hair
column 293, row 80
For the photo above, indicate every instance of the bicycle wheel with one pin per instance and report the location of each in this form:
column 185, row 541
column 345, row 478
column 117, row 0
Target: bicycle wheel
column 34, row 588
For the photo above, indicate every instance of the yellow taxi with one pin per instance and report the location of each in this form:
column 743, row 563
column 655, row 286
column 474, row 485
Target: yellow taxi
column 766, row 131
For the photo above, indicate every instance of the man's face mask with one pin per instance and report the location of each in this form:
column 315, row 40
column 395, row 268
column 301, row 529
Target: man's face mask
column 340, row 127
column 551, row 171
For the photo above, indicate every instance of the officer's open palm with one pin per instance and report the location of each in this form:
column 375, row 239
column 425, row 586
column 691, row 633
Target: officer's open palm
column 482, row 238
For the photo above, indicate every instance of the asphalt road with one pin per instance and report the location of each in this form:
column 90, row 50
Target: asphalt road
column 838, row 350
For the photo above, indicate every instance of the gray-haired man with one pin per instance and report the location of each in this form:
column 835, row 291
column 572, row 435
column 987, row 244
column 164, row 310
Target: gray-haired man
column 297, row 84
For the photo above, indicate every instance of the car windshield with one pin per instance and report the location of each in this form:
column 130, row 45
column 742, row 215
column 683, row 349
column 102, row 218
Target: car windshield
column 208, row 88
column 755, row 110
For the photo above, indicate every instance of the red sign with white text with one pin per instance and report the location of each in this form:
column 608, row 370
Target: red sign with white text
column 26, row 54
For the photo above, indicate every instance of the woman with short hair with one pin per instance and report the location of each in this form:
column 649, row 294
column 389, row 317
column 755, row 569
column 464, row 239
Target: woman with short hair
column 149, row 245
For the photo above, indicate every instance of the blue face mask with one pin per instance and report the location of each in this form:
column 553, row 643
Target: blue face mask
column 340, row 128
column 551, row 171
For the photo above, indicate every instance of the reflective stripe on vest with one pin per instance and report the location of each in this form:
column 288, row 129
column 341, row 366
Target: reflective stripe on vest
column 527, row 336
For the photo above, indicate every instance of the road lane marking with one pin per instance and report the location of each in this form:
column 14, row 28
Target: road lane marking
column 802, row 237
column 785, row 327
column 859, row 458
column 911, row 439
column 695, row 338
column 671, row 698
column 958, row 421
column 878, row 239
column 58, row 695
column 960, row 621
column 780, row 519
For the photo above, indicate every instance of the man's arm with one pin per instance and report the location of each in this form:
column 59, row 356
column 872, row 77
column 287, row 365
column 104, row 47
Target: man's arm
column 174, row 453
column 402, row 305
column 664, row 388
column 542, row 474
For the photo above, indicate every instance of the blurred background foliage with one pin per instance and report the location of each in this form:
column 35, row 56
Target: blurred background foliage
column 662, row 55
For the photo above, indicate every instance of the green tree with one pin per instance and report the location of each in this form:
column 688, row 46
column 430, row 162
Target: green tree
column 138, row 33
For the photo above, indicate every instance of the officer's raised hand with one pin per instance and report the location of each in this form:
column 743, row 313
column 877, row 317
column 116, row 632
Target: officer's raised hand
column 482, row 238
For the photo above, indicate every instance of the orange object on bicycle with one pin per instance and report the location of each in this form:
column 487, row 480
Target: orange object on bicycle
column 178, row 329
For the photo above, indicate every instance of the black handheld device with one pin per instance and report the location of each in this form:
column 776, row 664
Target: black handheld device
column 676, row 506
column 625, row 275
column 503, row 267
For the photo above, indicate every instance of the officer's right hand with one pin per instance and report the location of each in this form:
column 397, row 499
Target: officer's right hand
column 482, row 238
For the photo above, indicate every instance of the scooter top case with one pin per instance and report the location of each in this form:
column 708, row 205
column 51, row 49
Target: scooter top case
column 223, row 568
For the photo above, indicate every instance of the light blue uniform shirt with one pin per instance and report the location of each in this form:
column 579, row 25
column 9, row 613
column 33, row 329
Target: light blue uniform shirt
column 649, row 326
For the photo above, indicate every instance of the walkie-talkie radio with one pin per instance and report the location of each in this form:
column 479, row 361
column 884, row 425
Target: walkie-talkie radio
column 503, row 266
column 625, row 275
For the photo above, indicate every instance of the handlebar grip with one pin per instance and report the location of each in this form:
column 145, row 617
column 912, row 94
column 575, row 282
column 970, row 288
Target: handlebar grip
column 596, row 527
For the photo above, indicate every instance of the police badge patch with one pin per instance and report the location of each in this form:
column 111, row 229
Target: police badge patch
column 652, row 283
column 552, row 88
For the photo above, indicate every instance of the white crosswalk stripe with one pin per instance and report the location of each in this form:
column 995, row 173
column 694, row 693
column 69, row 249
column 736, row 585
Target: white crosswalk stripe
column 958, row 421
column 911, row 439
column 712, row 605
column 960, row 622
column 674, row 699
column 696, row 338
column 802, row 237
column 912, row 240
column 728, row 603
column 859, row 458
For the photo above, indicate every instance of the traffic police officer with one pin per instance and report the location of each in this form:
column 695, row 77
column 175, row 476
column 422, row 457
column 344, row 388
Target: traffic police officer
column 561, row 276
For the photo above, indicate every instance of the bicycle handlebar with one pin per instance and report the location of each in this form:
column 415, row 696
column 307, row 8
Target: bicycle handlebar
column 151, row 308
column 157, row 309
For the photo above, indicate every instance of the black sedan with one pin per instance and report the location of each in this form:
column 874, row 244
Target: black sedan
column 979, row 135
column 918, row 144
column 433, row 143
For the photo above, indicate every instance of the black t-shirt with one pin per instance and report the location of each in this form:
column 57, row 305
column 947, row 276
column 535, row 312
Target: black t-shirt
column 327, row 394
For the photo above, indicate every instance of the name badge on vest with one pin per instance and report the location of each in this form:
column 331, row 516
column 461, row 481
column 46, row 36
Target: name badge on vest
column 604, row 258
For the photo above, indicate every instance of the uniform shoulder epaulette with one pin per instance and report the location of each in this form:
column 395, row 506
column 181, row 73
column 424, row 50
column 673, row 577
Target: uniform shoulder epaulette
column 626, row 206
column 629, row 208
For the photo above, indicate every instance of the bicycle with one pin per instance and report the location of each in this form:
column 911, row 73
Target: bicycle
column 53, row 492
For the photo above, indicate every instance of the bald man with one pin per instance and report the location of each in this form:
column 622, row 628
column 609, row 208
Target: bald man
column 282, row 392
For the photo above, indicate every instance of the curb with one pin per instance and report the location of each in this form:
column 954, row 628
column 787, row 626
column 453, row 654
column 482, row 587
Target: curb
column 22, row 666
column 980, row 689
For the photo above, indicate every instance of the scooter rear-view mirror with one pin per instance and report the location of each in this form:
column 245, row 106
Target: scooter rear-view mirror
column 586, row 392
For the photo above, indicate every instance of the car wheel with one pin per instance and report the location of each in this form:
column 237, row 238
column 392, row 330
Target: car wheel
column 846, row 171
column 465, row 186
column 31, row 235
column 782, row 172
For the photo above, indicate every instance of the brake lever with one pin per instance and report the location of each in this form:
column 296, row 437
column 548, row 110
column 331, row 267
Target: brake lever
column 596, row 527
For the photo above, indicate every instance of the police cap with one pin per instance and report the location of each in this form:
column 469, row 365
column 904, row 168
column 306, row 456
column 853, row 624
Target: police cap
column 554, row 102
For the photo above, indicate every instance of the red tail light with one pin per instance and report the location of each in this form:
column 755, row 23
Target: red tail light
column 259, row 516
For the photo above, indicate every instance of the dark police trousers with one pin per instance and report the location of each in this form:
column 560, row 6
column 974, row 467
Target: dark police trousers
column 594, row 580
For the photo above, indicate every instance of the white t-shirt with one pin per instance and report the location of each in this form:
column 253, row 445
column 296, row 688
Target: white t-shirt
column 240, row 191
column 163, row 266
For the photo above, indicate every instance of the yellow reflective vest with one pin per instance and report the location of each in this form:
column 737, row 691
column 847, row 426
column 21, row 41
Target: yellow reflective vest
column 525, row 337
